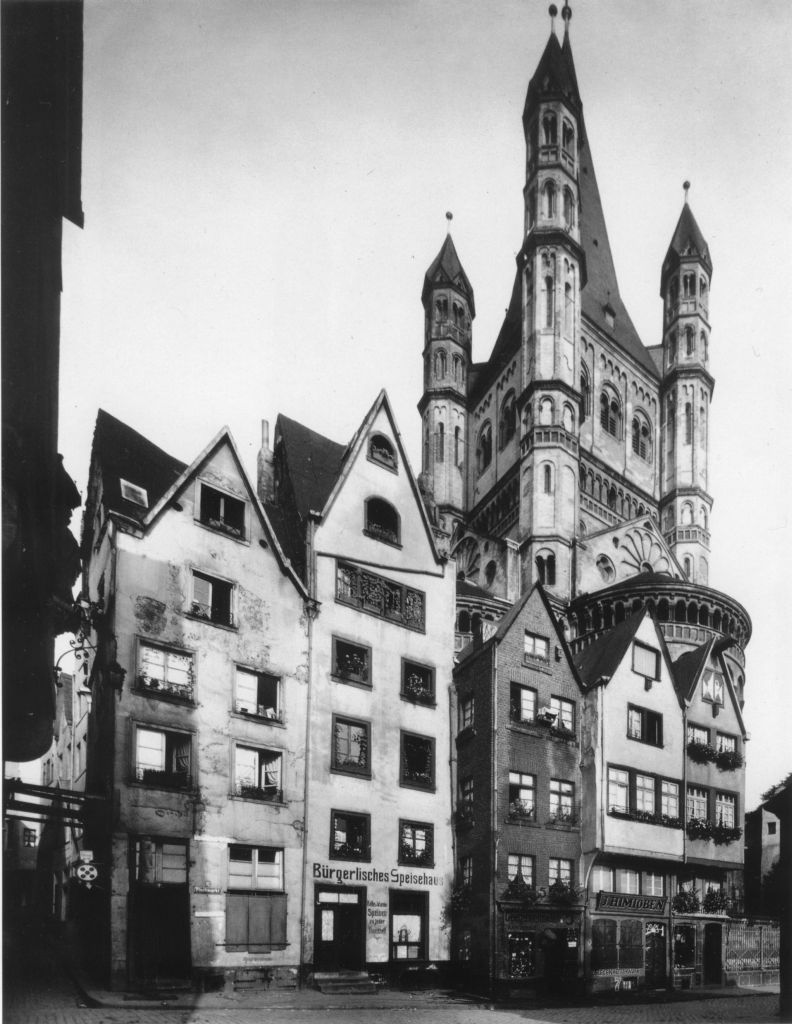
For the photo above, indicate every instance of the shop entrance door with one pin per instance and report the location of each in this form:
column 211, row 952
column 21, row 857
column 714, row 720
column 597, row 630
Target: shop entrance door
column 713, row 964
column 339, row 929
column 159, row 911
column 655, row 954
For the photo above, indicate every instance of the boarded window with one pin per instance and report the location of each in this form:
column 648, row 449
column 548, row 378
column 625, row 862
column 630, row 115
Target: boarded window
column 255, row 923
column 604, row 954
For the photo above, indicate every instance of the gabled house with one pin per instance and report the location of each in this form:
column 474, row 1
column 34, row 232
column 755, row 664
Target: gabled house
column 198, row 726
column 518, row 920
column 377, row 837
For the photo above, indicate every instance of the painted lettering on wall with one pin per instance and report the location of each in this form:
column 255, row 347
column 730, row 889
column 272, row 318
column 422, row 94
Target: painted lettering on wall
column 377, row 917
column 396, row 876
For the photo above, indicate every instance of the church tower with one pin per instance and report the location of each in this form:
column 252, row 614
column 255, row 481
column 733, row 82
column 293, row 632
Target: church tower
column 686, row 393
column 552, row 271
column 449, row 309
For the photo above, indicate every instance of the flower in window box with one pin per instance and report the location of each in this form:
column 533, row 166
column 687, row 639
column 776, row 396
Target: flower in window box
column 728, row 760
column 722, row 835
column 522, row 809
column 518, row 889
column 415, row 688
column 699, row 828
column 686, row 901
column 715, row 902
column 701, row 753
column 562, row 892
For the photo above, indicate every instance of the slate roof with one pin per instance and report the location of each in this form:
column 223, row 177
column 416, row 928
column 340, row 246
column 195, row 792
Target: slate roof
column 314, row 462
column 602, row 657
column 687, row 669
column 447, row 267
column 688, row 239
column 554, row 73
column 123, row 453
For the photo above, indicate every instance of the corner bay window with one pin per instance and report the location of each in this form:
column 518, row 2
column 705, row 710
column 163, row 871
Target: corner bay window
column 350, row 836
column 162, row 758
column 257, row 693
column 416, row 843
column 379, row 596
column 165, row 671
column 351, row 751
column 417, row 761
column 211, row 599
column 222, row 512
column 255, row 903
column 257, row 774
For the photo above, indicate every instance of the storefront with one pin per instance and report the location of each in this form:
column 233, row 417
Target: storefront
column 539, row 949
column 629, row 941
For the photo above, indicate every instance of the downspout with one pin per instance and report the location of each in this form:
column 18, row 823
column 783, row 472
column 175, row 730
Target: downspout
column 494, row 818
column 311, row 610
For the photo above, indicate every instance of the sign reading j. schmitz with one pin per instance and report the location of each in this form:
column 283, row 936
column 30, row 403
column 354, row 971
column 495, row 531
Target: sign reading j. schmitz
column 395, row 876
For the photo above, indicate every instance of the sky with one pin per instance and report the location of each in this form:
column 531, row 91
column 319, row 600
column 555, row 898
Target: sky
column 265, row 183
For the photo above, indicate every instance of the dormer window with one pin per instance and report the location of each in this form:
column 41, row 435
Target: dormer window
column 221, row 512
column 381, row 450
column 133, row 493
column 382, row 521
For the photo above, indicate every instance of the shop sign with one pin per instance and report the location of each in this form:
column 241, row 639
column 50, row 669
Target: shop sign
column 214, row 890
column 393, row 876
column 377, row 917
column 627, row 903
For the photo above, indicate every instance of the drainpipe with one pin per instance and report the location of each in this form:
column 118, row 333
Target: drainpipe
column 494, row 818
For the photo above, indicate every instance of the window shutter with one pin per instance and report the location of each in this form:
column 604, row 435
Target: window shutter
column 267, row 921
column 278, row 920
column 236, row 922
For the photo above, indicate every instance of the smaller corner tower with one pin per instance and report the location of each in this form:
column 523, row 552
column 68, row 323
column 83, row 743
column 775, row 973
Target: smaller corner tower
column 551, row 265
column 686, row 394
column 449, row 309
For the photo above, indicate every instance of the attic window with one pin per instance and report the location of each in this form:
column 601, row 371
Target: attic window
column 133, row 493
column 646, row 661
column 381, row 450
column 222, row 512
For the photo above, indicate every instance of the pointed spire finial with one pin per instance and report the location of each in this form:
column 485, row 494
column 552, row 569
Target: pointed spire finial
column 552, row 10
column 566, row 14
column 449, row 218
column 686, row 187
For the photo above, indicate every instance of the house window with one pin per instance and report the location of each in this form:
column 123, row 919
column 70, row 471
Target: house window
column 535, row 646
column 522, row 703
column 562, row 800
column 618, row 790
column 602, row 879
column 564, row 712
column 418, row 682
column 466, row 793
column 165, row 671
column 521, row 795
column 162, row 758
column 645, row 794
column 771, row 828
column 351, row 662
column 628, row 880
column 725, row 809
column 351, row 746
column 211, row 599
column 380, row 596
column 258, row 774
column 610, row 414
column 695, row 734
column 696, row 802
column 712, row 687
column 350, row 836
column 646, row 661
column 466, row 871
column 669, row 798
column 641, row 438
column 652, row 883
column 484, row 450
column 467, row 707
column 381, row 450
column 256, row 908
column 155, row 862
column 522, row 866
column 29, row 837
column 416, row 843
column 417, row 761
column 726, row 744
column 560, row 871
column 644, row 725
column 257, row 693
column 222, row 512
column 382, row 521
column 131, row 492
column 255, row 867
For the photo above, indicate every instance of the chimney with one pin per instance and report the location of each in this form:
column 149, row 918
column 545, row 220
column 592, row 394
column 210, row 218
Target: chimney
column 265, row 466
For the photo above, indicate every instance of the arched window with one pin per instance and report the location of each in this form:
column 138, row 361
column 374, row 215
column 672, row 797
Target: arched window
column 688, row 423
column 381, row 450
column 484, row 451
column 641, row 438
column 546, row 410
column 687, row 514
column 441, row 364
column 489, row 572
column 531, row 208
column 463, row 623
column 382, row 520
column 690, row 340
column 672, row 347
column 606, row 569
column 546, row 568
column 547, row 478
column 674, row 291
column 567, row 137
column 457, row 446
column 549, row 301
column 549, row 199
column 568, row 418
column 441, row 309
column 549, row 130
column 426, row 448
column 569, row 209
column 704, row 350
column 670, row 422
column 508, row 421
column 612, row 499
column 689, row 286
column 569, row 310
column 585, row 392
column 456, row 364
column 687, row 566
column 702, row 287
column 703, row 426
column 439, row 443
column 610, row 414
column 703, row 516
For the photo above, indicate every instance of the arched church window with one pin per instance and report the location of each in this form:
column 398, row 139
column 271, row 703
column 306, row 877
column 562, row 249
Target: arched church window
column 457, row 446
column 687, row 514
column 704, row 349
column 569, row 209
column 484, row 450
column 703, row 516
column 612, row 498
column 459, row 315
column 689, row 286
column 382, row 520
column 508, row 421
column 546, row 568
column 489, row 572
column 381, row 450
column 673, row 291
column 549, row 197
column 531, row 208
column 687, row 566
column 547, row 478
column 441, row 364
column 610, row 413
column 690, row 340
column 546, row 409
column 567, row 137
column 702, row 287
column 569, row 310
column 670, row 422
column 456, row 364
column 641, row 438
column 441, row 309
column 439, row 443
column 688, row 423
column 463, row 623
column 549, row 301
column 568, row 418
column 585, row 392
column 703, row 426
column 549, row 130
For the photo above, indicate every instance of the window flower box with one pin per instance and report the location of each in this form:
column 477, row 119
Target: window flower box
column 728, row 760
column 701, row 753
column 686, row 901
column 522, row 809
